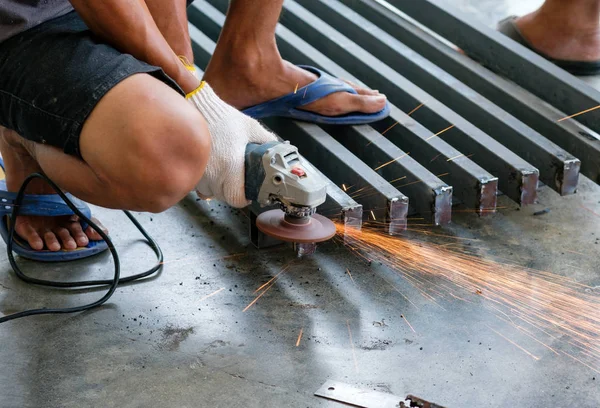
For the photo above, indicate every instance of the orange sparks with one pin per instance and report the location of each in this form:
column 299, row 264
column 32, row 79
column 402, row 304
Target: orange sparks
column 578, row 360
column 398, row 179
column 352, row 345
column 272, row 279
column 415, row 109
column 388, row 129
column 349, row 274
column 574, row 252
column 258, row 297
column 299, row 338
column 407, row 322
column 579, row 113
column 212, row 294
column 373, row 215
column 514, row 344
column 266, row 286
column 344, row 187
column 455, row 157
column 536, row 303
column 440, row 132
column 391, row 161
column 296, row 88
column 593, row 212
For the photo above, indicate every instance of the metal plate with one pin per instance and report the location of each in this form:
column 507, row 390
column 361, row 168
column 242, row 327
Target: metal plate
column 357, row 397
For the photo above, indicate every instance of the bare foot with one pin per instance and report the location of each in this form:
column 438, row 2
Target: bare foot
column 249, row 78
column 52, row 233
column 561, row 33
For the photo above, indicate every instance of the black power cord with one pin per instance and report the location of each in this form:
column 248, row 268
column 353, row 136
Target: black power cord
column 113, row 283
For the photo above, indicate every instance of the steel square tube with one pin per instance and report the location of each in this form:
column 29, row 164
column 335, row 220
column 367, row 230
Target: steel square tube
column 518, row 178
column 202, row 46
column 541, row 116
column 507, row 57
column 433, row 203
column 380, row 200
column 558, row 168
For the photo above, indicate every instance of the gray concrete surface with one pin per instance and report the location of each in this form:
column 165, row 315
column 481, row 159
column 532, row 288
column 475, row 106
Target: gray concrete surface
column 160, row 344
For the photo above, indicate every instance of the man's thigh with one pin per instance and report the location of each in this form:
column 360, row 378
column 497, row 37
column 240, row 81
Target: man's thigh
column 53, row 76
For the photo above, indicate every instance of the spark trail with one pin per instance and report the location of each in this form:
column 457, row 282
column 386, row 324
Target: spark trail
column 547, row 307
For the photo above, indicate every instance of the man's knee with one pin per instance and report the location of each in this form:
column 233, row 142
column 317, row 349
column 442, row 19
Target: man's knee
column 170, row 162
column 146, row 143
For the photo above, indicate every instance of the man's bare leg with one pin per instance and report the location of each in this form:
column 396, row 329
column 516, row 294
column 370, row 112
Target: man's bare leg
column 171, row 20
column 144, row 148
column 246, row 68
column 565, row 29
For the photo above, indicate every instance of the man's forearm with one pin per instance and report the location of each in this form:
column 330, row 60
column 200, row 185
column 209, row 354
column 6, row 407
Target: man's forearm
column 128, row 26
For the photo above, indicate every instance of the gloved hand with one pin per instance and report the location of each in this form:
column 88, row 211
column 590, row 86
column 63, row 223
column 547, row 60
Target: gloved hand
column 230, row 132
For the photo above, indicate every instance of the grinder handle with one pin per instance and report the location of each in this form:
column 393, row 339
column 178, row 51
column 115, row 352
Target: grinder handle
column 254, row 169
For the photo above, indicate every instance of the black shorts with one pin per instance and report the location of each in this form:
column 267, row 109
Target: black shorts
column 53, row 75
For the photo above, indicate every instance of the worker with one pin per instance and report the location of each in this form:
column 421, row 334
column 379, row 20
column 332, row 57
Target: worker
column 566, row 32
column 103, row 97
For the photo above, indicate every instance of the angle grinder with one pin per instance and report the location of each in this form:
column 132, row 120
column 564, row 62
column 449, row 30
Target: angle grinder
column 277, row 174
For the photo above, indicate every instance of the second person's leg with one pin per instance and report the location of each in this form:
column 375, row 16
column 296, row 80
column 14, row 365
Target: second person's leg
column 564, row 29
column 246, row 68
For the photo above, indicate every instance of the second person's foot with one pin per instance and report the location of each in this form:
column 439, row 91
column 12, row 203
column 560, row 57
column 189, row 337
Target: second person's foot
column 244, row 79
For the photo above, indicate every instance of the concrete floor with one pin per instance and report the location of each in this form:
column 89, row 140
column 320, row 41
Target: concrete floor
column 163, row 344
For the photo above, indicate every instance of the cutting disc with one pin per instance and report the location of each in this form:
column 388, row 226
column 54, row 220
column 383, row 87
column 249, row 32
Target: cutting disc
column 274, row 223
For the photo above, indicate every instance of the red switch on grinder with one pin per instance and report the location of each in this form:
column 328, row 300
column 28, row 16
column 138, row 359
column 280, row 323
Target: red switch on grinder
column 298, row 172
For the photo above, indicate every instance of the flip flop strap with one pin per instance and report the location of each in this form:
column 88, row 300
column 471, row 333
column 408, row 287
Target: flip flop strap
column 323, row 86
column 46, row 205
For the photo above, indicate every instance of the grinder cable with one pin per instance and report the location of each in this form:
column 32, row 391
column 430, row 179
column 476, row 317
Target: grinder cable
column 113, row 283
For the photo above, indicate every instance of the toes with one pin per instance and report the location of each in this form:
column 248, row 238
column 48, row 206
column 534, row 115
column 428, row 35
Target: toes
column 51, row 241
column 366, row 103
column 80, row 238
column 65, row 237
column 93, row 235
column 343, row 102
column 27, row 232
column 362, row 90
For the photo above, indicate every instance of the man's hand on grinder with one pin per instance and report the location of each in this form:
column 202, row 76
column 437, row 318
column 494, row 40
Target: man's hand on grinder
column 230, row 132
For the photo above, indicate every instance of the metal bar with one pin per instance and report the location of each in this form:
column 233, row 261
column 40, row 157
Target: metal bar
column 339, row 206
column 478, row 193
column 472, row 185
column 507, row 57
column 541, row 116
column 429, row 196
column 356, row 397
column 380, row 200
column 199, row 14
column 558, row 168
column 518, row 179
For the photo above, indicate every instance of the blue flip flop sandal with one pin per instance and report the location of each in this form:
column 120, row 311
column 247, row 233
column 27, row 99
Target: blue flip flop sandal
column 47, row 205
column 287, row 106
column 509, row 28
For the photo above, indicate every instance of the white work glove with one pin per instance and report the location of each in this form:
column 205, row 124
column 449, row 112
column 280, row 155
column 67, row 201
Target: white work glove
column 230, row 132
